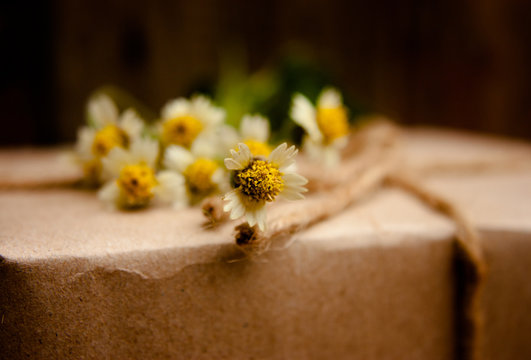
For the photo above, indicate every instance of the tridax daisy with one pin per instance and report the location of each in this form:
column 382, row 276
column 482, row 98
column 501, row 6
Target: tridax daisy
column 326, row 125
column 257, row 180
column 133, row 182
column 107, row 130
column 184, row 120
column 201, row 175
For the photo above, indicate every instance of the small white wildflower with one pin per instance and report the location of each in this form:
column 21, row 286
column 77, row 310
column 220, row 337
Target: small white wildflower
column 183, row 120
column 257, row 180
column 133, row 182
column 202, row 176
column 326, row 125
column 108, row 130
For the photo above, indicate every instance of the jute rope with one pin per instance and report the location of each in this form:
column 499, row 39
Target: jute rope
column 471, row 267
column 367, row 168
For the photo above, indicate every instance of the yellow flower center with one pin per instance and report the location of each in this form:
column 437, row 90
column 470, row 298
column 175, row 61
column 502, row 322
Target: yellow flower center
column 136, row 183
column 181, row 130
column 332, row 122
column 198, row 176
column 260, row 181
column 107, row 138
column 258, row 148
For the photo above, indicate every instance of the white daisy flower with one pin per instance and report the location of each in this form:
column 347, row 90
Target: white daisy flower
column 133, row 182
column 108, row 130
column 183, row 120
column 326, row 125
column 201, row 175
column 257, row 180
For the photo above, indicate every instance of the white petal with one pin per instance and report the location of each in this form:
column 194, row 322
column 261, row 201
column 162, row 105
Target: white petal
column 206, row 112
column 291, row 195
column 293, row 179
column 110, row 194
column 260, row 218
column 331, row 156
column 131, row 123
column 234, row 205
column 218, row 176
column 277, row 155
column 228, row 206
column 297, row 188
column 293, row 186
column 311, row 148
column 177, row 158
column 329, row 98
column 214, row 143
column 237, row 211
column 232, row 164
column 206, row 144
column 175, row 108
column 283, row 156
column 221, row 179
column 251, row 218
column 327, row 155
column 145, row 150
column 303, row 113
column 227, row 139
column 228, row 197
column 85, row 138
column 255, row 212
column 255, row 127
column 242, row 156
column 115, row 160
column 290, row 168
column 102, row 111
column 171, row 188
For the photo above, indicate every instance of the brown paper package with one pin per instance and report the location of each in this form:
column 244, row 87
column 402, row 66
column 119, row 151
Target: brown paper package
column 378, row 281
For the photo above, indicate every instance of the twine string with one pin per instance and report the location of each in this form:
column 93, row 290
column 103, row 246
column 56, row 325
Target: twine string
column 366, row 169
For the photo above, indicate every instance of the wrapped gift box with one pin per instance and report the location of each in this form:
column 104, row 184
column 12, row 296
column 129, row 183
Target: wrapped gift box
column 378, row 281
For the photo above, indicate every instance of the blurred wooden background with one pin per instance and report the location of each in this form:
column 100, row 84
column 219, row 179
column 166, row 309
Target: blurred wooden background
column 454, row 63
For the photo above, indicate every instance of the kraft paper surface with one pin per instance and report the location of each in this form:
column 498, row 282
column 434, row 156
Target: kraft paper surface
column 375, row 282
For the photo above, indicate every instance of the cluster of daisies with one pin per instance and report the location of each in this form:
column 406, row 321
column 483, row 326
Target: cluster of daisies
column 191, row 154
